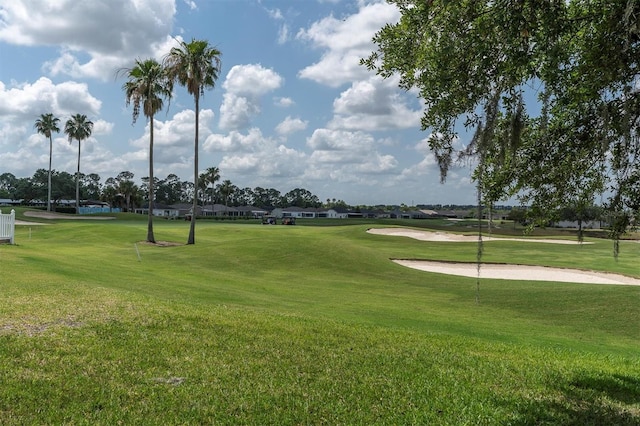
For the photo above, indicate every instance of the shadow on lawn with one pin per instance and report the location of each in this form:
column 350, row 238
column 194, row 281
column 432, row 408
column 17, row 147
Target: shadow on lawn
column 587, row 400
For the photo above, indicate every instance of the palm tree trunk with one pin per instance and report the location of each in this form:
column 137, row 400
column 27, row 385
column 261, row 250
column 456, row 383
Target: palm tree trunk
column 49, row 179
column 78, row 182
column 192, row 228
column 150, row 236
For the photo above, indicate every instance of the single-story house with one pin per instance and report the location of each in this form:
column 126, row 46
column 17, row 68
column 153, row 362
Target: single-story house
column 160, row 210
column 252, row 212
column 295, row 212
column 334, row 213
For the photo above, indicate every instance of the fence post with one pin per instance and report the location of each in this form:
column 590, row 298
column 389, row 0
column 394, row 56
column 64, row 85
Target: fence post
column 7, row 226
column 12, row 220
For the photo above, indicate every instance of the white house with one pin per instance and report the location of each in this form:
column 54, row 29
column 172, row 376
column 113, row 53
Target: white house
column 332, row 213
column 160, row 210
column 295, row 212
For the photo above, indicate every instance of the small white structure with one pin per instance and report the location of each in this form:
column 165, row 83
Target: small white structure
column 8, row 226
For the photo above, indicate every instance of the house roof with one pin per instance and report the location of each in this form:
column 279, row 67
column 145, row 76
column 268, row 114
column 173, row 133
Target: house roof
column 159, row 206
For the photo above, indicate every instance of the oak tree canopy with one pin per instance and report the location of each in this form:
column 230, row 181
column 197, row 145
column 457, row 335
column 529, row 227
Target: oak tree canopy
column 548, row 88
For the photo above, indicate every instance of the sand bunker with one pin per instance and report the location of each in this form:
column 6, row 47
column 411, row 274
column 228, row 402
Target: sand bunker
column 447, row 237
column 41, row 214
column 501, row 271
column 519, row 272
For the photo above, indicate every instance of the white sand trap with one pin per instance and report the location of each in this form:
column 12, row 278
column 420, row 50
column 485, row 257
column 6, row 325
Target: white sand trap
column 449, row 237
column 496, row 271
column 24, row 222
column 41, row 214
column 519, row 272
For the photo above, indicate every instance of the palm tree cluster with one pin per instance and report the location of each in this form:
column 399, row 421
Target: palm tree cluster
column 195, row 65
column 77, row 127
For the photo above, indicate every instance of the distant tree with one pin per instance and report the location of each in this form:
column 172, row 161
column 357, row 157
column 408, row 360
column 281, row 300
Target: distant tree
column 580, row 212
column 7, row 185
column 196, row 66
column 110, row 192
column 25, row 190
column 339, row 204
column 226, row 189
column 187, row 192
column 90, row 186
column 39, row 183
column 127, row 188
column 517, row 215
column 46, row 125
column 168, row 191
column 78, row 127
column 300, row 197
column 244, row 197
column 146, row 89
column 209, row 179
column 63, row 184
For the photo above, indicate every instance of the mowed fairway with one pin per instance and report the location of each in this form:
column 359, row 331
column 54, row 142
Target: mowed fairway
column 306, row 325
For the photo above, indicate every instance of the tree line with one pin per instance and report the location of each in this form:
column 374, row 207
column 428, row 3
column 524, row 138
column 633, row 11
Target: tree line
column 123, row 192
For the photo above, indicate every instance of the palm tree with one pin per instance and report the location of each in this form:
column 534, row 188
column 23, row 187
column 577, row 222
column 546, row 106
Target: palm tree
column 78, row 128
column 226, row 188
column 127, row 189
column 210, row 177
column 146, row 88
column 195, row 65
column 46, row 125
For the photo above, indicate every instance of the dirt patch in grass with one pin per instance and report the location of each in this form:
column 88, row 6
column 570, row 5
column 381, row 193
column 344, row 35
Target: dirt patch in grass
column 161, row 243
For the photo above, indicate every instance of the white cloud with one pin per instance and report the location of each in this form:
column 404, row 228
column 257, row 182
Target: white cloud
column 28, row 101
column 173, row 141
column 344, row 42
column 283, row 34
column 338, row 154
column 290, row 125
column 236, row 111
column 253, row 153
column 191, row 4
column 275, row 14
column 244, row 85
column 373, row 104
column 235, row 141
column 340, row 140
column 284, row 102
column 251, row 80
column 96, row 37
column 101, row 127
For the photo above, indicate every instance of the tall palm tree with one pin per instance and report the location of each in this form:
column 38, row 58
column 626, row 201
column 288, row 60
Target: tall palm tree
column 46, row 125
column 78, row 128
column 210, row 177
column 146, row 88
column 195, row 65
column 226, row 188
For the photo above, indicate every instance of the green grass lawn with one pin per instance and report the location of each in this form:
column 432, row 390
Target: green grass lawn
column 306, row 325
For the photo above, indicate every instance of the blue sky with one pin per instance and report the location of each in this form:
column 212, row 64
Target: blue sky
column 292, row 107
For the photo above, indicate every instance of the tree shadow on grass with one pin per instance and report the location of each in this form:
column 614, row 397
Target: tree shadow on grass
column 589, row 399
